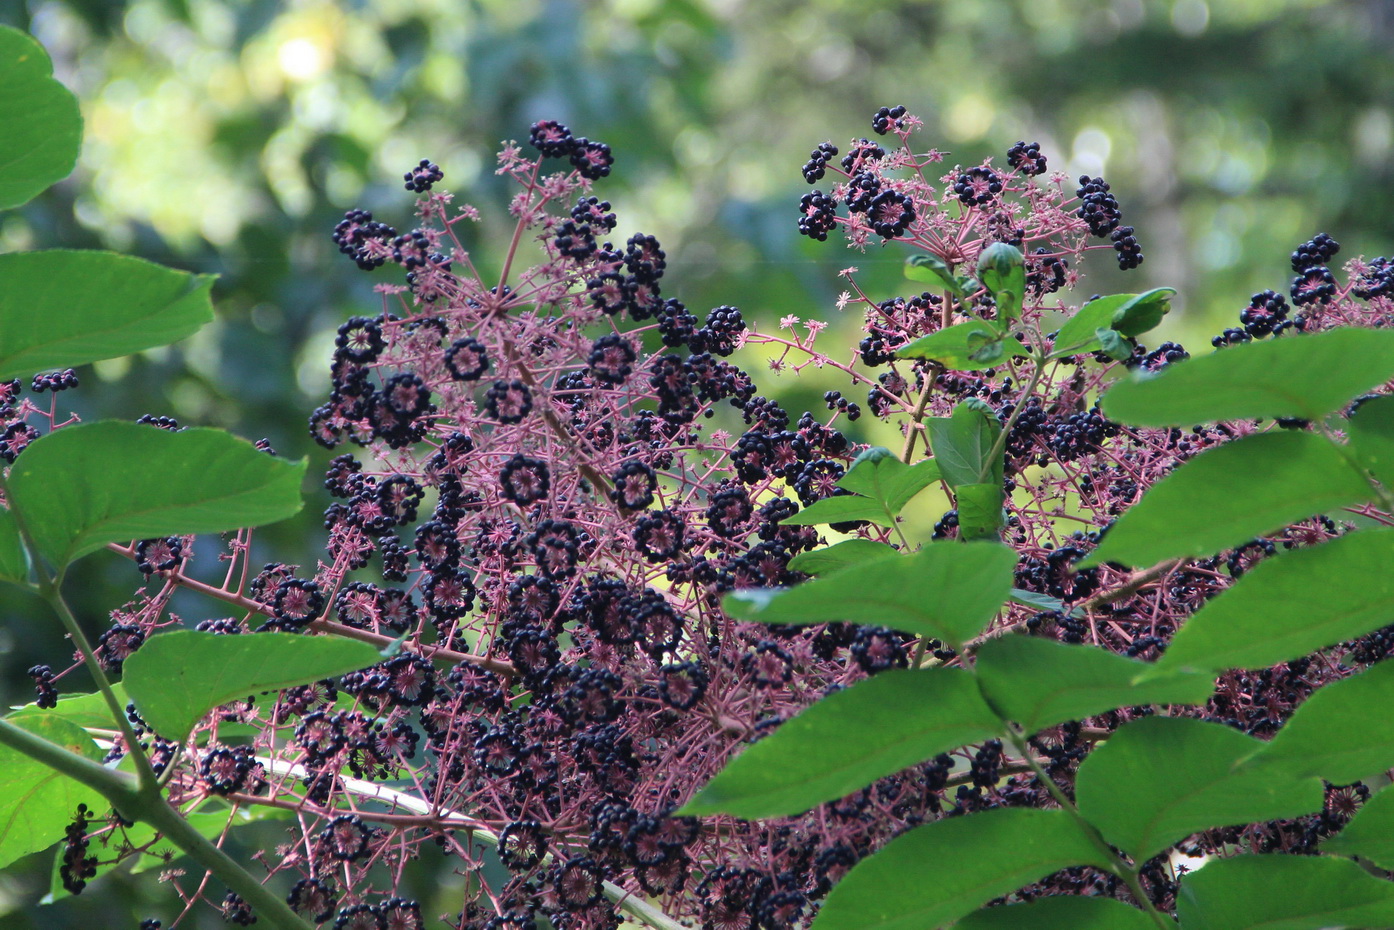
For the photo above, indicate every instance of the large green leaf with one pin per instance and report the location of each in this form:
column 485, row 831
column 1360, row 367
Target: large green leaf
column 962, row 445
column 944, row 870
column 61, row 308
column 13, row 565
column 972, row 346
column 1336, row 733
column 1306, row 376
column 176, row 678
column 948, row 591
column 1371, row 432
column 1063, row 912
column 979, row 510
column 43, row 128
column 1283, row 893
column 848, row 740
column 877, row 473
column 1370, row 833
column 84, row 486
column 841, row 509
column 840, row 555
column 1160, row 779
column 1039, row 682
column 1127, row 314
column 36, row 802
column 1291, row 605
column 1229, row 495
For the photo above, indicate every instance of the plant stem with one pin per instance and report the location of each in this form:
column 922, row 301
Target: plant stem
column 130, row 799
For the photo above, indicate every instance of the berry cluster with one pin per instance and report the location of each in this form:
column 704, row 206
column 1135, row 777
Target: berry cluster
column 75, row 866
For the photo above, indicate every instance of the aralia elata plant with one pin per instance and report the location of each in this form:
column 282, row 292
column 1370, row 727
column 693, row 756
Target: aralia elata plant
column 554, row 607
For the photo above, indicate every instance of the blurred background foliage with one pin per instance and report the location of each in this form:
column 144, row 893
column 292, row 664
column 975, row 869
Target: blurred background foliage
column 229, row 136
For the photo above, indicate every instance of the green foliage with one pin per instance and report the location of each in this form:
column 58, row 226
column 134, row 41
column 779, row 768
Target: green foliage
column 43, row 129
column 965, row 445
column 1002, row 270
column 1283, row 893
column 1228, row 495
column 1334, row 735
column 879, row 726
column 37, row 802
column 1121, row 314
column 839, row 555
column 948, row 591
column 13, row 564
column 973, row 346
column 1059, row 913
column 1371, row 432
column 880, row 485
column 1306, row 378
column 176, row 678
column 81, row 487
column 60, row 308
column 1370, row 833
column 941, row 871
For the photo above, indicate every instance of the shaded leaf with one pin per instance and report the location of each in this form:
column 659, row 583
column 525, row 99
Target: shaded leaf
column 948, row 591
column 848, row 740
column 60, row 308
column 1063, row 912
column 979, row 510
column 1228, row 495
column 1291, row 605
column 1371, row 432
column 176, row 678
column 1160, row 779
column 944, row 870
column 84, row 710
column 839, row 555
column 1370, row 833
column 878, row 474
column 84, row 486
column 43, row 128
column 1042, row 602
column 961, row 444
column 1283, row 893
column 36, row 802
column 1335, row 734
column 1039, row 682
column 1002, row 270
column 14, row 566
column 1308, row 378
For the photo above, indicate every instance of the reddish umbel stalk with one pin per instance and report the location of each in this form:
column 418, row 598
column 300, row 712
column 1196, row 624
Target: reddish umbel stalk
column 567, row 673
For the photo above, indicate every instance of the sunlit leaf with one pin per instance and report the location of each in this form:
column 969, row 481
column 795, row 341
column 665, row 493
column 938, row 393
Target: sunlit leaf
column 840, row 555
column 962, row 445
column 36, row 802
column 43, row 128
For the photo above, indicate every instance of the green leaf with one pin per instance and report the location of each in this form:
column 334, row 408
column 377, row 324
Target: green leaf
column 1129, row 314
column 36, row 802
column 1371, row 432
column 1063, row 912
column 43, row 128
column 840, row 509
column 14, row 566
column 1291, row 605
column 949, row 591
column 1370, row 833
column 848, row 740
column 1283, row 893
column 176, row 678
column 84, row 486
column 84, row 710
column 1334, row 734
column 1308, row 377
column 979, row 510
column 944, row 870
column 1114, row 345
column 1002, row 270
column 878, row 474
column 1042, row 602
column 1039, row 682
column 1228, row 495
column 61, row 308
column 963, row 347
column 1160, row 779
column 840, row 555
column 931, row 269
column 961, row 444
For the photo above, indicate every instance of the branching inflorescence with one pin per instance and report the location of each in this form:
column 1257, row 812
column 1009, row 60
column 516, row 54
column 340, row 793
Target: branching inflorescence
column 542, row 521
